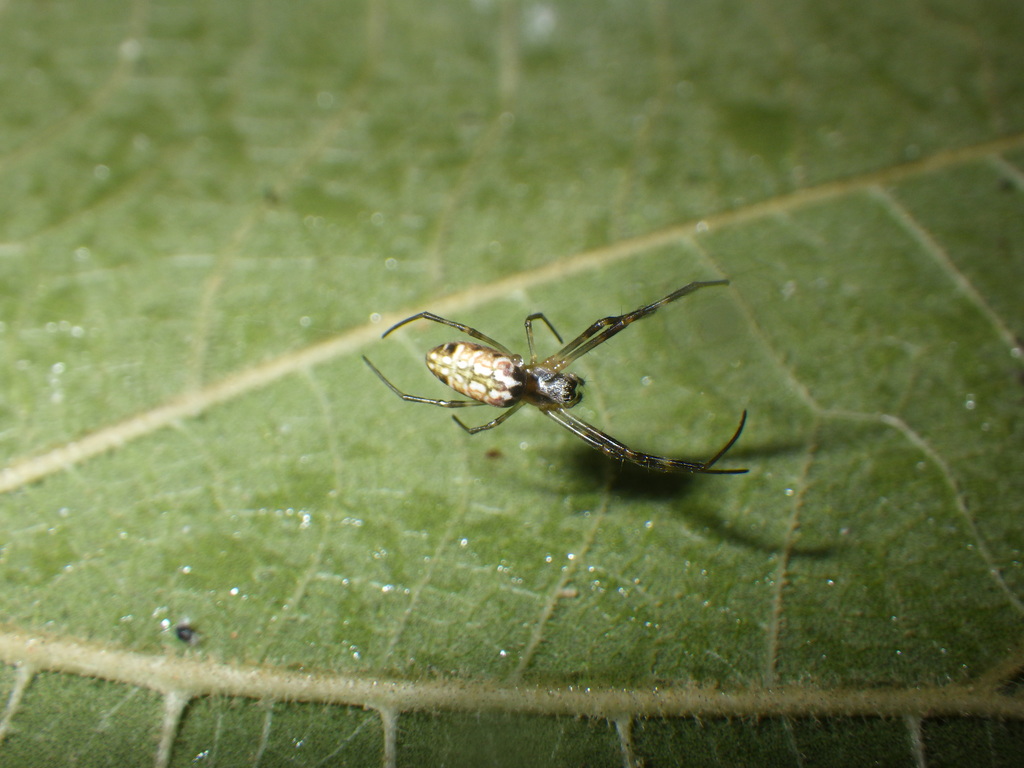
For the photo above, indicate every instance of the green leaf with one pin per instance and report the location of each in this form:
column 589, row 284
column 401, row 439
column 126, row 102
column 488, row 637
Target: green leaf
column 224, row 541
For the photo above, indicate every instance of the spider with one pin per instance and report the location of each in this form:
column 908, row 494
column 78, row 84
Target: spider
column 490, row 374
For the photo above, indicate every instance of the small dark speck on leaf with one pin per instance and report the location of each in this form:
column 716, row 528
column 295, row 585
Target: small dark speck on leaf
column 185, row 632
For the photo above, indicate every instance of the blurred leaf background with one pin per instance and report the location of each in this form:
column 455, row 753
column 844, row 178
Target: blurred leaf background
column 211, row 210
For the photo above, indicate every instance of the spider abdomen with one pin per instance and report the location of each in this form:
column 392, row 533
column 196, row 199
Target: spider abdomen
column 478, row 372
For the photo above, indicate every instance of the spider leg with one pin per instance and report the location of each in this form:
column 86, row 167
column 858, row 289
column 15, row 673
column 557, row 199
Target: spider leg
column 452, row 324
column 529, row 332
column 417, row 399
column 493, row 422
column 612, row 448
column 607, row 327
column 714, row 459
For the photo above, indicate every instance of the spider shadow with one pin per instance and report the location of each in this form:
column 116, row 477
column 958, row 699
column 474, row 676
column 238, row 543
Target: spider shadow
column 633, row 482
column 668, row 489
